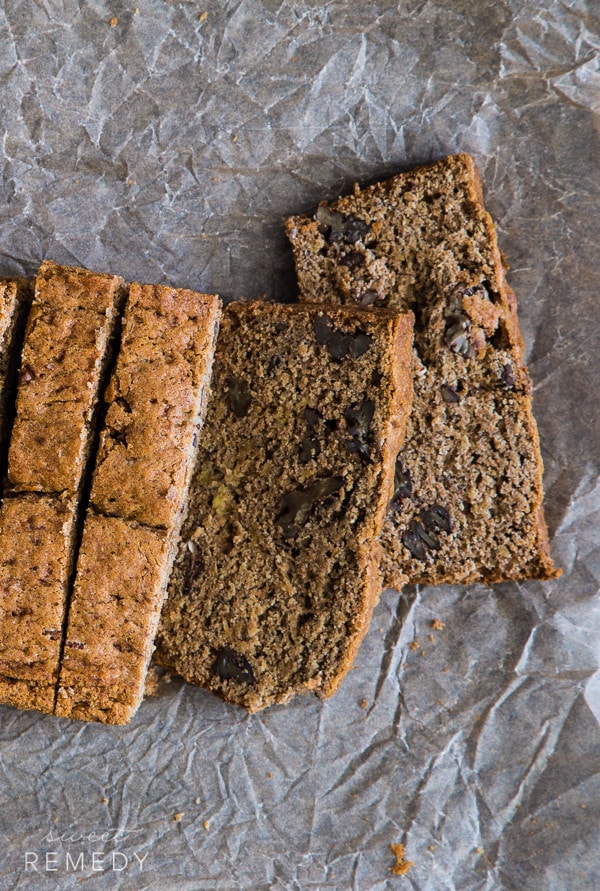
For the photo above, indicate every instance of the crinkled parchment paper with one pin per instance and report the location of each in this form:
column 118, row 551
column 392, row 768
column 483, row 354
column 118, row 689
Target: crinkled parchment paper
column 168, row 145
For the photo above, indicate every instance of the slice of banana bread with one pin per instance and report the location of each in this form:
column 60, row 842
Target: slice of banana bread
column 64, row 354
column 467, row 504
column 122, row 574
column 64, row 358
column 278, row 569
column 15, row 298
column 155, row 406
column 156, row 400
column 36, row 533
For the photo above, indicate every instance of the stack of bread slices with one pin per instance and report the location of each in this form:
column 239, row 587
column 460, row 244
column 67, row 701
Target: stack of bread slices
column 269, row 482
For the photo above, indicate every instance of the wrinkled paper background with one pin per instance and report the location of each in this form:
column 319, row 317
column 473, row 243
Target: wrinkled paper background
column 168, row 146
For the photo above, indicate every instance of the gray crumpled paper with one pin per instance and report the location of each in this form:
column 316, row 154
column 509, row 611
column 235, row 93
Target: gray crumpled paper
column 168, row 146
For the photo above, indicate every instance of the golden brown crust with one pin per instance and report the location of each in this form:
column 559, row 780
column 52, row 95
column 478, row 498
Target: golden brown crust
column 122, row 572
column 64, row 354
column 156, row 401
column 35, row 562
column 15, row 297
column 155, row 398
column 62, row 363
column 27, row 694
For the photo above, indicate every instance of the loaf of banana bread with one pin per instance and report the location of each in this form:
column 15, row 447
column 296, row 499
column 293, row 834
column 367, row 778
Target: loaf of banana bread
column 62, row 366
column 155, row 405
column 278, row 567
column 467, row 504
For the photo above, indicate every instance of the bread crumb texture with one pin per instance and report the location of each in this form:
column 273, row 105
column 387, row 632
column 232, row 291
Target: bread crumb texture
column 277, row 573
column 467, row 504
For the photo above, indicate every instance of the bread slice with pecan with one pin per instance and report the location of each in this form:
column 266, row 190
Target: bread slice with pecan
column 467, row 505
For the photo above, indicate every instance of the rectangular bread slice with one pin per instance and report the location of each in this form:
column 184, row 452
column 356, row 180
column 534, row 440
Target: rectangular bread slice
column 36, row 533
column 15, row 298
column 155, row 400
column 467, row 505
column 277, row 571
column 65, row 354
column 122, row 574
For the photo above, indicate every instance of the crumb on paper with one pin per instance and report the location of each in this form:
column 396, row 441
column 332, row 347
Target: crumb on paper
column 438, row 625
column 203, row 16
column 197, row 800
column 105, row 800
column 364, row 703
column 178, row 817
column 270, row 775
column 432, row 638
column 414, row 645
column 114, row 22
column 402, row 865
column 422, row 653
column 234, row 137
column 479, row 850
column 206, row 824
column 431, row 848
